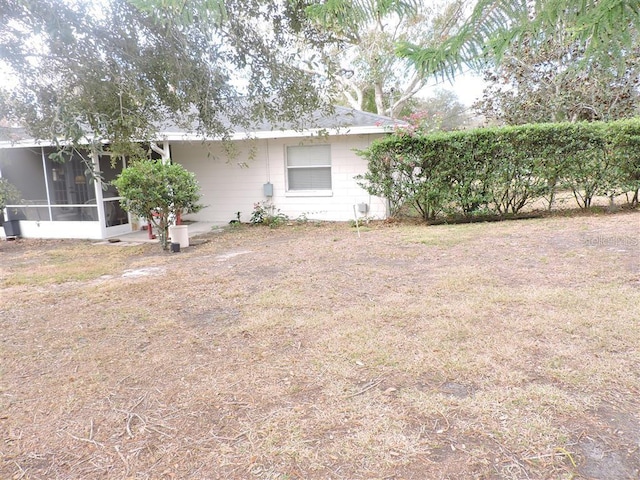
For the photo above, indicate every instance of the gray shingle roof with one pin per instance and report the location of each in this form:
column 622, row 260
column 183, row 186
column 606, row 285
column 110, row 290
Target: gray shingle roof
column 342, row 120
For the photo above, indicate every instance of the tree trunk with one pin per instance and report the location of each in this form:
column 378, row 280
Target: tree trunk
column 379, row 97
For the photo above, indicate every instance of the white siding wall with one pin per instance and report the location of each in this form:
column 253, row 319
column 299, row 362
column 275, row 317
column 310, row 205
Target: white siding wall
column 228, row 187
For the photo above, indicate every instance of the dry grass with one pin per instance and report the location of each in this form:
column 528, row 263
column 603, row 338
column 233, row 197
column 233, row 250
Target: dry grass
column 501, row 350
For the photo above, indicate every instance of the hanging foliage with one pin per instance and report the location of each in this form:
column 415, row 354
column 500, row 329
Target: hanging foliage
column 115, row 72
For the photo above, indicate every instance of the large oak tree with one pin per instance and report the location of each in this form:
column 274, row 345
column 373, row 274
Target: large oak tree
column 113, row 72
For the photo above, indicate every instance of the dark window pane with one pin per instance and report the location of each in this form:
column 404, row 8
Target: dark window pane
column 114, row 213
column 69, row 182
column 110, row 168
column 75, row 214
column 28, row 213
column 23, row 168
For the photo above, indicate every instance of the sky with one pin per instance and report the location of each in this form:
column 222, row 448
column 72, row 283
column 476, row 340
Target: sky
column 468, row 87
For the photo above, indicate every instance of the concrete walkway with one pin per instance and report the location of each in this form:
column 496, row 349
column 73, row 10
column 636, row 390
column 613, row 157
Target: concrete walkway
column 195, row 228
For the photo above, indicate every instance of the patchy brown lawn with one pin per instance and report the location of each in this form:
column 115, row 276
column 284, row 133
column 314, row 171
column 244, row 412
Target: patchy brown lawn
column 500, row 350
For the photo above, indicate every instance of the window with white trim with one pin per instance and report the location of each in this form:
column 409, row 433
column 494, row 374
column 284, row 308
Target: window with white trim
column 308, row 167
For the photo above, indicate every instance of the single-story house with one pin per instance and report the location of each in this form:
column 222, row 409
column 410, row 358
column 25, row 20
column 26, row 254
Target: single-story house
column 307, row 173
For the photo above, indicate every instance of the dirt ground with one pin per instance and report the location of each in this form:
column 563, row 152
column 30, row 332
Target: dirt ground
column 483, row 351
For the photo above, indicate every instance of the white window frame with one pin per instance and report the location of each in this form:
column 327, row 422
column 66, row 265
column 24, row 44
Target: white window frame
column 308, row 192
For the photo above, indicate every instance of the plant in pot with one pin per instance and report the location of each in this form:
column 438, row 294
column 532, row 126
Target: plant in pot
column 158, row 192
column 8, row 193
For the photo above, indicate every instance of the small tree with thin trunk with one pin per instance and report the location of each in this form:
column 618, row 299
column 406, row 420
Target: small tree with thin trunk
column 158, row 192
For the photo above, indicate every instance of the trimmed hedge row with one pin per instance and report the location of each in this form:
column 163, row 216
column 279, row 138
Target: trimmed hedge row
column 500, row 170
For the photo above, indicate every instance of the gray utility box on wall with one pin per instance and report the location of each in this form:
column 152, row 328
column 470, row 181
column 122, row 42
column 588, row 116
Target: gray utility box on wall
column 268, row 189
column 363, row 207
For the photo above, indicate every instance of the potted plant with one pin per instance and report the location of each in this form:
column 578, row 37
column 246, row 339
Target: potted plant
column 8, row 193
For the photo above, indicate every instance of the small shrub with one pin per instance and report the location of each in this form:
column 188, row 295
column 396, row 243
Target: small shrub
column 302, row 218
column 8, row 193
column 158, row 191
column 266, row 213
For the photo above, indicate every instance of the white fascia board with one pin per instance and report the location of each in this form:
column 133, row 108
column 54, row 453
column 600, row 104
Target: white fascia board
column 277, row 134
column 26, row 143
column 31, row 143
column 194, row 137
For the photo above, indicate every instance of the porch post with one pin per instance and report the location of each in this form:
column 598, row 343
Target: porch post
column 95, row 159
column 46, row 183
column 164, row 152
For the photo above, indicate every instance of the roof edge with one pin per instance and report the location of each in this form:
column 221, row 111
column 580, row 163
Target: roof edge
column 237, row 136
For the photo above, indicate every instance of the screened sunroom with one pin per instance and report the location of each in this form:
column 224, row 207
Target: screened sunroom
column 62, row 199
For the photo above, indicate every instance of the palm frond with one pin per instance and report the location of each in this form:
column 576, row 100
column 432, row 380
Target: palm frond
column 606, row 27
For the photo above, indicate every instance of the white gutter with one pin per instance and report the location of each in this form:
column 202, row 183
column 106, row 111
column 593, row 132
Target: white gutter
column 276, row 134
column 26, row 143
column 194, row 137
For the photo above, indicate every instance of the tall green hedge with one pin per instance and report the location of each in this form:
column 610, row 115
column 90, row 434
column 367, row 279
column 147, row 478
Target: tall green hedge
column 501, row 170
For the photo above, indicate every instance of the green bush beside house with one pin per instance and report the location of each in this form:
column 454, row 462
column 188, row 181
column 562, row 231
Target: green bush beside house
column 501, row 170
column 158, row 192
column 8, row 193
